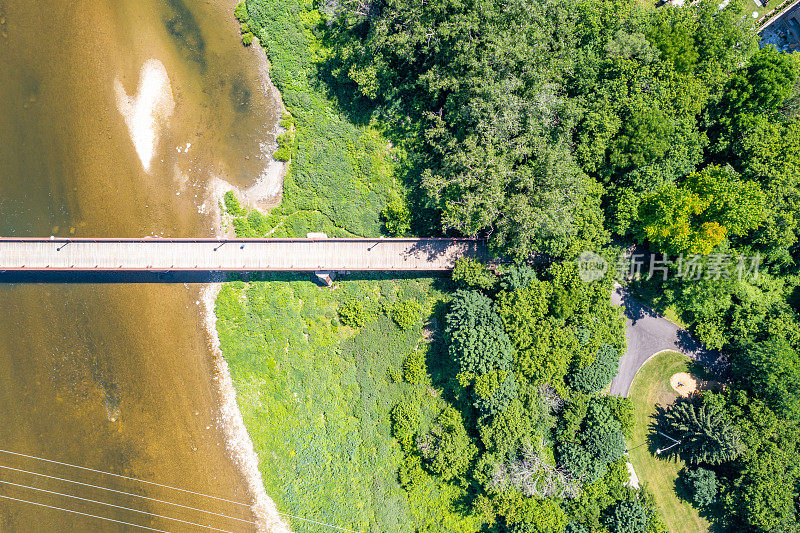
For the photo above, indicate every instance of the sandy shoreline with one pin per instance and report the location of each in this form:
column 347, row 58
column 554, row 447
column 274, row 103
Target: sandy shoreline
column 265, row 192
column 237, row 440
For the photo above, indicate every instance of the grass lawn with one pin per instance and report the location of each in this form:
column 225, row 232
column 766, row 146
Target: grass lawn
column 650, row 388
column 751, row 6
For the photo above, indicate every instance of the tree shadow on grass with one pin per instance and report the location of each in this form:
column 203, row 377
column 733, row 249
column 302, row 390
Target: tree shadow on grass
column 656, row 441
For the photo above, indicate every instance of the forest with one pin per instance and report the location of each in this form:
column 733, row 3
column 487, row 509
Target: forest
column 552, row 129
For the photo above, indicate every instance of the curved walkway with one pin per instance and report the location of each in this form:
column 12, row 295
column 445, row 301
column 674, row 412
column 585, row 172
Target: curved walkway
column 648, row 333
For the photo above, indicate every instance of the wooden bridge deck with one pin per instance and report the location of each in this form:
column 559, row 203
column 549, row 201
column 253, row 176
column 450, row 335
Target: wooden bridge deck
column 157, row 254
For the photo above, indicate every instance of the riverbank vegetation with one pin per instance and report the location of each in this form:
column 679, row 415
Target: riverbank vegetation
column 550, row 129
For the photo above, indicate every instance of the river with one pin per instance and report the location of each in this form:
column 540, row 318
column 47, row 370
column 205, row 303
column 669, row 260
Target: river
column 111, row 376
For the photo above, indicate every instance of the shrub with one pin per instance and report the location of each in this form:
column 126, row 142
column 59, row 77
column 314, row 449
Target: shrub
column 284, row 151
column 603, row 436
column 477, row 339
column 410, row 472
column 414, row 368
column 471, row 273
column 353, row 314
column 504, row 433
column 600, row 373
column 258, row 222
column 232, row 205
column 407, row 314
column 580, row 462
column 447, row 449
column 240, row 12
column 517, row 278
column 701, row 484
column 577, row 528
column 287, row 121
column 394, row 375
column 494, row 391
column 405, row 421
column 622, row 410
column 628, row 516
column 396, row 216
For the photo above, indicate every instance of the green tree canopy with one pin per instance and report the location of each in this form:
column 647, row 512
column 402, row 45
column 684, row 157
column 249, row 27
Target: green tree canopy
column 705, row 434
column 478, row 341
column 700, row 213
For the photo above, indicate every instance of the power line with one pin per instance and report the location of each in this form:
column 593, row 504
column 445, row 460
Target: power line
column 125, row 493
column 113, row 505
column 156, row 484
column 124, row 477
column 84, row 514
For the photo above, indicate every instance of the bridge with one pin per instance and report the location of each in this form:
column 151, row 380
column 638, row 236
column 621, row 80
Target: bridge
column 165, row 254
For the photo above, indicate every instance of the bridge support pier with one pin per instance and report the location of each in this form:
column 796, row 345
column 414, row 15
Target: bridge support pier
column 325, row 277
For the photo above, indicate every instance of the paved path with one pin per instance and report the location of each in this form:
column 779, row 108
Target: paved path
column 156, row 254
column 648, row 333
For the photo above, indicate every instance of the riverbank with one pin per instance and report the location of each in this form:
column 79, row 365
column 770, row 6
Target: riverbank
column 314, row 394
column 229, row 417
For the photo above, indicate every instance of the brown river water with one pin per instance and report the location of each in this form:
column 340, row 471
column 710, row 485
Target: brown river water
column 114, row 376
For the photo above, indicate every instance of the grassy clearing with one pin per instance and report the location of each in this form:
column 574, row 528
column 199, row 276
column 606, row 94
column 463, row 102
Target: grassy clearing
column 650, row 388
column 751, row 6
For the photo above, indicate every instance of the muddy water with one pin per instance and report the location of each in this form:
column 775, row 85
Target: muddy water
column 118, row 377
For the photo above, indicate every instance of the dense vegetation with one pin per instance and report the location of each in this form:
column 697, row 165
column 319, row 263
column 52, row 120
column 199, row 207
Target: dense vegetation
column 505, row 430
column 551, row 128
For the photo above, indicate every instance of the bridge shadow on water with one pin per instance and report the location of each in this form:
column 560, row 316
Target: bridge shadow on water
column 193, row 276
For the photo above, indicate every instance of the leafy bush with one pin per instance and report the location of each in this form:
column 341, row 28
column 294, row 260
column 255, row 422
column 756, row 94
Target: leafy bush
column 628, row 516
column 240, row 12
column 396, row 216
column 232, row 205
column 447, row 449
column 494, row 391
column 587, row 445
column 407, row 314
column 352, row 313
column 580, row 462
column 532, row 515
column 405, row 423
column 622, row 410
column 603, row 435
column 394, row 375
column 414, row 368
column 600, row 373
column 517, row 277
column 284, row 151
column 471, row 273
column 701, row 484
